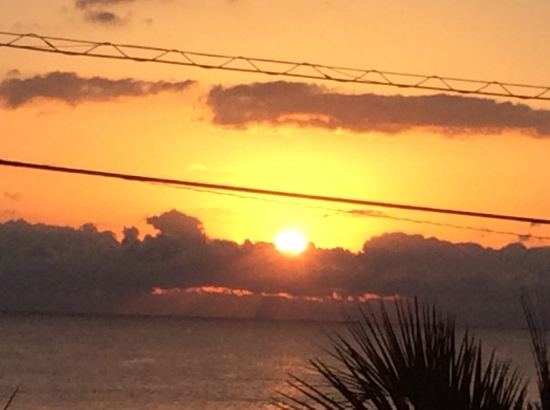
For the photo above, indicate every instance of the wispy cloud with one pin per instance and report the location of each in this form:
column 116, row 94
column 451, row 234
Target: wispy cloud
column 68, row 87
column 86, row 4
column 310, row 105
column 13, row 196
column 8, row 212
column 104, row 17
column 107, row 12
column 102, row 12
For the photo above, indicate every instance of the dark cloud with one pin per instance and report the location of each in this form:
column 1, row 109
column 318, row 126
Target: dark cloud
column 182, row 271
column 309, row 105
column 174, row 224
column 104, row 17
column 101, row 11
column 105, row 12
column 70, row 88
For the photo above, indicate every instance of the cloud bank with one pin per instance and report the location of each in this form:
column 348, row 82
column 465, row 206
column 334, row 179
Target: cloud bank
column 70, row 88
column 309, row 105
column 182, row 271
column 298, row 104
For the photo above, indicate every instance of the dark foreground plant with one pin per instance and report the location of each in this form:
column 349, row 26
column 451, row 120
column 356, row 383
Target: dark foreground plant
column 416, row 364
column 8, row 404
column 534, row 314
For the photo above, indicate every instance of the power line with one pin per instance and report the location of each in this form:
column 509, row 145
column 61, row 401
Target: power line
column 368, row 214
column 255, row 191
column 139, row 53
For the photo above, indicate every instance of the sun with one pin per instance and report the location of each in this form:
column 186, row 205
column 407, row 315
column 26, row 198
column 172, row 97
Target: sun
column 291, row 242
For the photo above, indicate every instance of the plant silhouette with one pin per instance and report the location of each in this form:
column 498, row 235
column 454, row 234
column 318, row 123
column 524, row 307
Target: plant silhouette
column 414, row 359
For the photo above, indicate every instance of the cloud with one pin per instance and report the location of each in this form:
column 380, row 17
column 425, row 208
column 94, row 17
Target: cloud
column 105, row 12
column 310, row 105
column 101, row 11
column 13, row 73
column 182, row 271
column 104, row 17
column 86, row 4
column 174, row 224
column 219, row 290
column 68, row 87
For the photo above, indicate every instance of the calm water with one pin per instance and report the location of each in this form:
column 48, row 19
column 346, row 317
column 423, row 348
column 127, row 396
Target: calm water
column 168, row 363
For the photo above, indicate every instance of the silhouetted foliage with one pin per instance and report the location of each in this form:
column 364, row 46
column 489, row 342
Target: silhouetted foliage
column 10, row 400
column 535, row 321
column 416, row 364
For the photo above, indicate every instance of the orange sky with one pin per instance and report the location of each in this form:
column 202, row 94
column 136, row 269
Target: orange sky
column 173, row 134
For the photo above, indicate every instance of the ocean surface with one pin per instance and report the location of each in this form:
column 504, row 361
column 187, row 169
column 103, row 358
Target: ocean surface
column 95, row 362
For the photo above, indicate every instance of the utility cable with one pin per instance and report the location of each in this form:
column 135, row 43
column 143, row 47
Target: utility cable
column 367, row 214
column 304, row 70
column 256, row 191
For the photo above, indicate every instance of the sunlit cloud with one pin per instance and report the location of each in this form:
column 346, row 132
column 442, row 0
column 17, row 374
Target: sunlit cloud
column 215, row 290
column 106, row 12
column 220, row 290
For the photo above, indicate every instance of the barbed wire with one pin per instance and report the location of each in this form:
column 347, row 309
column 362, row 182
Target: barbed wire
column 304, row 70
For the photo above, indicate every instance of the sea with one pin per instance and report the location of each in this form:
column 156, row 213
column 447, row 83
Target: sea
column 165, row 363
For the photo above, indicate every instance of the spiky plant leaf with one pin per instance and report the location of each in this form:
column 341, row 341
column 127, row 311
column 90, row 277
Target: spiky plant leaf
column 534, row 316
column 10, row 400
column 414, row 365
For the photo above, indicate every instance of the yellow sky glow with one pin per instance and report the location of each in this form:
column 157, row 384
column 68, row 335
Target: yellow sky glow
column 172, row 134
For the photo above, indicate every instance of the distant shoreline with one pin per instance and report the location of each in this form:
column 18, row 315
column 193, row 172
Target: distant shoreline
column 115, row 316
column 20, row 313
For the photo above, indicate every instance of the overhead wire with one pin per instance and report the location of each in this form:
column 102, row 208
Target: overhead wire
column 369, row 214
column 266, row 192
column 272, row 67
column 285, row 68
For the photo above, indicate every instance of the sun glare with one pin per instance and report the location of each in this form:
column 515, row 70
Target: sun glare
column 291, row 242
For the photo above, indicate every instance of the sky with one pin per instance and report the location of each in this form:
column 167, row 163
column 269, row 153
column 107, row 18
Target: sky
column 322, row 138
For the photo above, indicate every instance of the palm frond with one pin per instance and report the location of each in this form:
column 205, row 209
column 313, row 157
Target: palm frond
column 8, row 404
column 416, row 364
column 534, row 316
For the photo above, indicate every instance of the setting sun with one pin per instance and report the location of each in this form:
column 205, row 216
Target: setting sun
column 291, row 242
